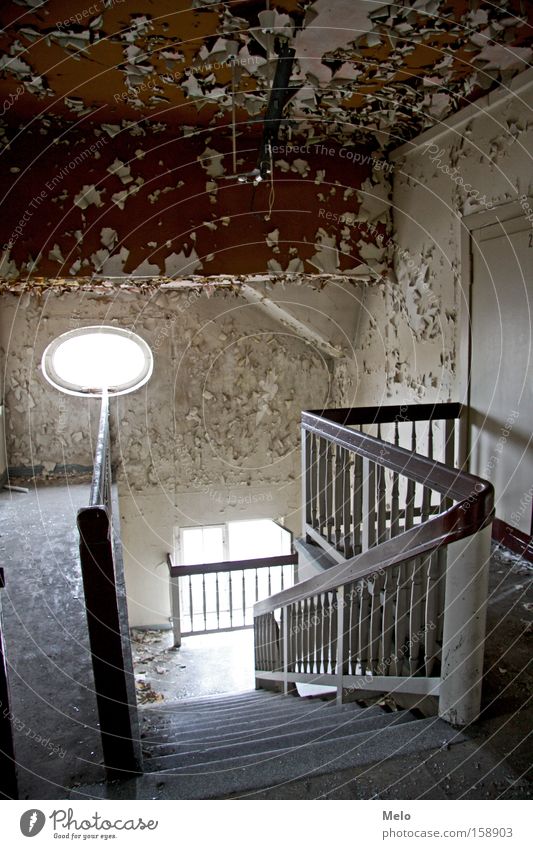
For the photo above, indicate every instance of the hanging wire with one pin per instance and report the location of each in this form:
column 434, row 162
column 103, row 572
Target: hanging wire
column 271, row 194
column 234, row 115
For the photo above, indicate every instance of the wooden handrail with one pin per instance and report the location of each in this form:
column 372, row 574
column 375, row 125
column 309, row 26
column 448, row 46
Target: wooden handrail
column 474, row 510
column 230, row 565
column 388, row 414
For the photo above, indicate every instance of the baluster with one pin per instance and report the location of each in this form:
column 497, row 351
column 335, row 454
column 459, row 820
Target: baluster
column 329, row 490
column 276, row 643
column 314, row 479
column 191, row 607
column 243, row 597
column 382, row 504
column 364, row 626
column 410, row 495
column 204, row 602
column 415, row 618
column 441, row 585
column 299, row 637
column 319, row 628
column 369, row 504
column 269, row 581
column 357, row 538
column 326, row 643
column 346, row 503
column 426, row 491
column 256, row 642
column 322, row 486
column 256, row 585
column 305, row 625
column 339, row 495
column 389, row 590
column 343, row 600
column 290, row 638
column 402, row 618
column 217, row 601
column 395, row 494
column 431, row 612
column 311, row 637
column 355, row 600
column 259, row 643
column 307, row 455
column 449, row 457
column 333, row 632
column 376, row 623
column 230, row 591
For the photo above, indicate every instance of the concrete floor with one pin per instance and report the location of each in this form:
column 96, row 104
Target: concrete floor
column 53, row 704
column 204, row 665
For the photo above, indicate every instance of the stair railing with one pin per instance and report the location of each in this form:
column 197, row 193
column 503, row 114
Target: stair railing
column 403, row 611
column 208, row 598
column 112, row 668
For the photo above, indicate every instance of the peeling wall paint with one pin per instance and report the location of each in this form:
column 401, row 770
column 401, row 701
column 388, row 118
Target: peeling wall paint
column 215, row 433
column 410, row 344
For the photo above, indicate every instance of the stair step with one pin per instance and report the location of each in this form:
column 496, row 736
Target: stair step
column 182, row 754
column 246, row 774
column 222, row 699
column 260, row 725
column 216, row 718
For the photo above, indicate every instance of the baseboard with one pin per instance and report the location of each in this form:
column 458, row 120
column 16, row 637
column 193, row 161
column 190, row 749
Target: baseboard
column 512, row 538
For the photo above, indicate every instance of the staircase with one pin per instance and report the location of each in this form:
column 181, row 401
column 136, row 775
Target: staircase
column 239, row 744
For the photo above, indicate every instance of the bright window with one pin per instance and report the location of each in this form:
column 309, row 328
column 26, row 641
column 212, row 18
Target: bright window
column 87, row 360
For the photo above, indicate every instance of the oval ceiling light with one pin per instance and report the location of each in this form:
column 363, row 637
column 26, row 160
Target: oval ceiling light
column 89, row 359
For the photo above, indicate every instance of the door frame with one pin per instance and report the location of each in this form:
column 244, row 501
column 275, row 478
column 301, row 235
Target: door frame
column 500, row 214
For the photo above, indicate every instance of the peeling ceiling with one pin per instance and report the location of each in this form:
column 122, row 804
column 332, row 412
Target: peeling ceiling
column 371, row 72
column 124, row 125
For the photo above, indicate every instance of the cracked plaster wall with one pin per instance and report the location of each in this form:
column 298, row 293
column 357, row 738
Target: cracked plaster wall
column 213, row 436
column 409, row 335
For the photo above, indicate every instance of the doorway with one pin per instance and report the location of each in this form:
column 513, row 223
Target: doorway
column 501, row 373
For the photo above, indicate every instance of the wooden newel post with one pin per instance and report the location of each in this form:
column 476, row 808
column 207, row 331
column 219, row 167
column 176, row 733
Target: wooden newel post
column 121, row 750
column 8, row 766
column 467, row 577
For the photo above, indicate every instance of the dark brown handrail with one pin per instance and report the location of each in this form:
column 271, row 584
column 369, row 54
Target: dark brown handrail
column 474, row 510
column 113, row 677
column 230, row 565
column 388, row 414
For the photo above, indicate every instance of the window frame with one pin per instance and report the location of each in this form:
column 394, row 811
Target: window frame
column 51, row 376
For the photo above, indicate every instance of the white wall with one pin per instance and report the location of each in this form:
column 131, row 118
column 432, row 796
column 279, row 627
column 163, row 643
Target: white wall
column 213, row 436
column 491, row 153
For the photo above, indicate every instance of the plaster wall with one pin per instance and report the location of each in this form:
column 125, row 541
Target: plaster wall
column 213, row 436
